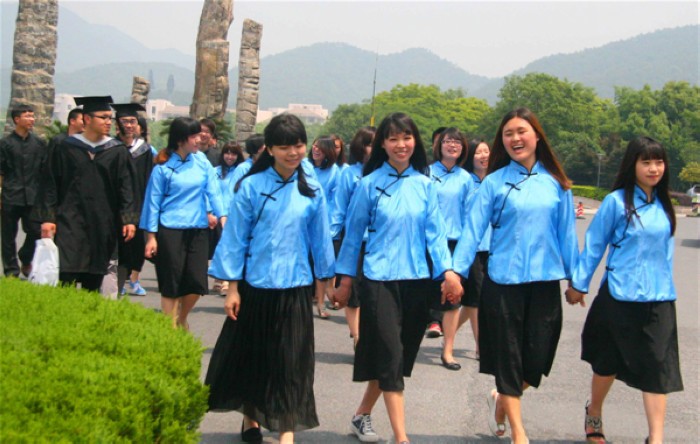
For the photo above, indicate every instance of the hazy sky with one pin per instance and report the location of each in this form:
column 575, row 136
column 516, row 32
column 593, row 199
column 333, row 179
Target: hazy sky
column 487, row 38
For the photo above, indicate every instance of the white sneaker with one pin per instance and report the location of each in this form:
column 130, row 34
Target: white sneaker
column 361, row 426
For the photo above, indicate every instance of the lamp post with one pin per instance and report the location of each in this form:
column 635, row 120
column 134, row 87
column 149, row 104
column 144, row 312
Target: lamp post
column 600, row 159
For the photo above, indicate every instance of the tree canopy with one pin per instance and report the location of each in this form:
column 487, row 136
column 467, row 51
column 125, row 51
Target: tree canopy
column 588, row 133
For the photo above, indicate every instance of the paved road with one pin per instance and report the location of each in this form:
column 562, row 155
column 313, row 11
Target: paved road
column 450, row 407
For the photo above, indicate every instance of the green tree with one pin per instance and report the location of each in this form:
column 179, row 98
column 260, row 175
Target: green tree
column 691, row 173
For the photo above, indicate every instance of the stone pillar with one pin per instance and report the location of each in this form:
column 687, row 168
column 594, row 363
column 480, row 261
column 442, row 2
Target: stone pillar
column 248, row 80
column 139, row 90
column 211, row 86
column 34, row 60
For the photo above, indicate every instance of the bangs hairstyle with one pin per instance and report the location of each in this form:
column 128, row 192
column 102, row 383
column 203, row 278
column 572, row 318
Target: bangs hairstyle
column 326, row 145
column 455, row 134
column 230, row 147
column 180, row 130
column 283, row 130
column 472, row 145
column 545, row 155
column 644, row 148
column 18, row 110
column 393, row 124
column 254, row 143
column 340, row 160
column 362, row 138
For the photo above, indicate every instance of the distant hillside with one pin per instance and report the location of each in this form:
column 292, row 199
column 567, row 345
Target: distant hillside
column 335, row 73
column 654, row 59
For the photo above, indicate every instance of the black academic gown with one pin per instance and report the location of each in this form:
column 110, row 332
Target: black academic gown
column 141, row 164
column 89, row 198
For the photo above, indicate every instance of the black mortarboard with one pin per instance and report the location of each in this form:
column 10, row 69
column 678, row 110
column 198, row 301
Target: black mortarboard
column 94, row 103
column 128, row 109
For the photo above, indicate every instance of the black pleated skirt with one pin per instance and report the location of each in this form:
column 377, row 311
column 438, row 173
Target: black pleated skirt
column 263, row 363
column 635, row 341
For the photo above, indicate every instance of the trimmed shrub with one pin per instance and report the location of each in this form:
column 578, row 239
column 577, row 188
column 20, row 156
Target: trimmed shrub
column 79, row 368
column 589, row 191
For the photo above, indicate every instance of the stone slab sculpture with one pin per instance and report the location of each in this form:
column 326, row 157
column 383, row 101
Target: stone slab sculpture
column 248, row 80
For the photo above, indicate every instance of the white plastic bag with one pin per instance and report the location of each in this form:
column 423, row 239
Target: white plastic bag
column 45, row 263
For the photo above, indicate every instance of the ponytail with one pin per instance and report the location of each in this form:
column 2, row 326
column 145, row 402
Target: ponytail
column 163, row 156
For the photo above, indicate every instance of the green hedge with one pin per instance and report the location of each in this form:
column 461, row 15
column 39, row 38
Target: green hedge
column 75, row 367
column 590, row 192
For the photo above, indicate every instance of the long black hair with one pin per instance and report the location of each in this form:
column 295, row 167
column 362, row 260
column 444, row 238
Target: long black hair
column 283, row 129
column 180, row 130
column 472, row 145
column 230, row 147
column 327, row 146
column 362, row 138
column 545, row 155
column 396, row 123
column 644, row 148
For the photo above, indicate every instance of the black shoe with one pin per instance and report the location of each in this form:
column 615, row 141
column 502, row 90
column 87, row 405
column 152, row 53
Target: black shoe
column 252, row 435
column 450, row 365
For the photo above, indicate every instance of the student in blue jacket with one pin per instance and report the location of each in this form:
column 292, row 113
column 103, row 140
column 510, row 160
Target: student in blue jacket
column 254, row 146
column 360, row 150
column 454, row 186
column 477, row 164
column 175, row 218
column 231, row 157
column 263, row 361
column 323, row 156
column 630, row 332
column 397, row 204
column 526, row 198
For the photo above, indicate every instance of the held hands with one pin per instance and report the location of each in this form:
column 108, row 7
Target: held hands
column 232, row 303
column 451, row 288
column 151, row 247
column 48, row 230
column 128, row 232
column 212, row 221
column 342, row 293
column 574, row 297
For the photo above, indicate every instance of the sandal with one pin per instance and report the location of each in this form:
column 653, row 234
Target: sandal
column 497, row 428
column 323, row 314
column 593, row 426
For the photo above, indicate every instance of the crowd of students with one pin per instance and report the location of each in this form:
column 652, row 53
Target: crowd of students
column 483, row 234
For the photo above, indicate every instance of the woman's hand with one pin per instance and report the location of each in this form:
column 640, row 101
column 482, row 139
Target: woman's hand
column 342, row 293
column 574, row 297
column 151, row 249
column 232, row 303
column 451, row 288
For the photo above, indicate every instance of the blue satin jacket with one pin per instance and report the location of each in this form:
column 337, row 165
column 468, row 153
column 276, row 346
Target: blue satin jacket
column 534, row 236
column 454, row 187
column 639, row 266
column 401, row 215
column 274, row 228
column 179, row 193
column 347, row 183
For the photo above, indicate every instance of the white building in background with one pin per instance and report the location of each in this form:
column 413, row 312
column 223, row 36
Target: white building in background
column 62, row 104
column 309, row 113
column 160, row 109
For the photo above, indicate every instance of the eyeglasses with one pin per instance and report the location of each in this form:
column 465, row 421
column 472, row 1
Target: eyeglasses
column 451, row 142
column 105, row 117
column 128, row 121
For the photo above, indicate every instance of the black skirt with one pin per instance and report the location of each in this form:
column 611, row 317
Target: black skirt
column 519, row 328
column 181, row 262
column 475, row 281
column 263, row 363
column 392, row 324
column 635, row 341
column 131, row 253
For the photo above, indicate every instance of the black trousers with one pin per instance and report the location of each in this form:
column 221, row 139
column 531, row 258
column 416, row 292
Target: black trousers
column 11, row 215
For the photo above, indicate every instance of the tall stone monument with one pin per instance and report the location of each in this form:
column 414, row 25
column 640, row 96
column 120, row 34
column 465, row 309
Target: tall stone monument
column 248, row 80
column 139, row 90
column 211, row 85
column 34, row 60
